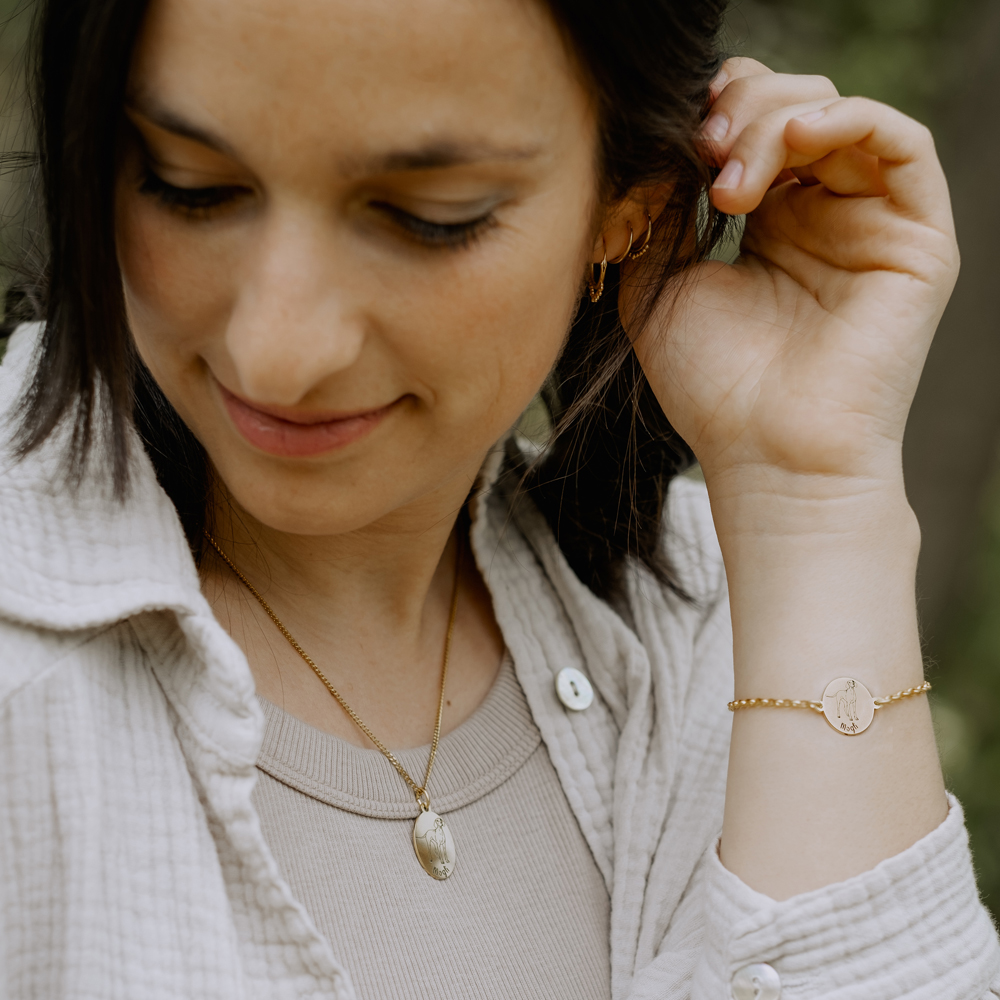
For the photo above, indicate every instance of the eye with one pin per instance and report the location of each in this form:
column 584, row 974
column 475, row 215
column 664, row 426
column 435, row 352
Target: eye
column 192, row 202
column 437, row 234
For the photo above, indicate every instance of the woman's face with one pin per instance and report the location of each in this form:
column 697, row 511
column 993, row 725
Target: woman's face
column 352, row 236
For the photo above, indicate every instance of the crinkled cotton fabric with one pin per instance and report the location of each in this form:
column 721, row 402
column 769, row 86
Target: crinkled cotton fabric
column 132, row 863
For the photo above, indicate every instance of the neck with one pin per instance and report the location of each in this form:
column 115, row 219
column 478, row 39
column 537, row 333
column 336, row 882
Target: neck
column 370, row 607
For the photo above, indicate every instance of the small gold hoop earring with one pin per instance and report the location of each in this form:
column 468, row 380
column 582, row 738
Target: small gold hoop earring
column 644, row 246
column 631, row 236
column 596, row 290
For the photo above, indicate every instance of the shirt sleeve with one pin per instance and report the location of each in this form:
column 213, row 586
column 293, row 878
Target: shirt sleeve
column 911, row 927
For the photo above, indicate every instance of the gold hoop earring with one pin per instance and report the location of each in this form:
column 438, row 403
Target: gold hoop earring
column 631, row 236
column 644, row 246
column 597, row 290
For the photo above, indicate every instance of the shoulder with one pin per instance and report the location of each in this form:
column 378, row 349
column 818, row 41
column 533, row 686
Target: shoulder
column 29, row 654
column 54, row 681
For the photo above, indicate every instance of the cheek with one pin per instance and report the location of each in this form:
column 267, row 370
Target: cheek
column 179, row 281
column 491, row 328
column 471, row 332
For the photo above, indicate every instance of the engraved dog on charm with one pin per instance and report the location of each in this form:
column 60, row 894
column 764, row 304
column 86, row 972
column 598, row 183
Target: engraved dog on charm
column 847, row 702
column 437, row 843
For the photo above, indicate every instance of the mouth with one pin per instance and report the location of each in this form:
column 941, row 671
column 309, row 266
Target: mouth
column 288, row 434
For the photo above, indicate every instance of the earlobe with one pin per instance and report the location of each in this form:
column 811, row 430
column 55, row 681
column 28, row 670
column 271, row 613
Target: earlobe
column 631, row 252
column 639, row 234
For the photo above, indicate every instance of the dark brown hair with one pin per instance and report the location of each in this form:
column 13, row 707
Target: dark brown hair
column 602, row 481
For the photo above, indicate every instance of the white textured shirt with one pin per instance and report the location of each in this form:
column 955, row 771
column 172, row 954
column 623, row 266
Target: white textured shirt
column 132, row 860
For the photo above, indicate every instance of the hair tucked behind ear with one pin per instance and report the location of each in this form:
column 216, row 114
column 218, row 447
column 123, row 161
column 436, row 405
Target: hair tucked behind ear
column 602, row 482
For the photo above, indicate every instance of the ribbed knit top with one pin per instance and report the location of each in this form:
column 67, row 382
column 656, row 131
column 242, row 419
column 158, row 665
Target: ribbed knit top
column 526, row 913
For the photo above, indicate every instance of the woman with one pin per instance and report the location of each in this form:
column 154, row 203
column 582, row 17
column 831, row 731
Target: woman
column 310, row 262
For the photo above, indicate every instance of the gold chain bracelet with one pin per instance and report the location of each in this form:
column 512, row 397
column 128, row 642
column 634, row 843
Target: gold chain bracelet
column 847, row 704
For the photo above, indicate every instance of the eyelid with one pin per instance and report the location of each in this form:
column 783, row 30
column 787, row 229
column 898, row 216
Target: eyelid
column 193, row 177
column 443, row 211
column 158, row 144
column 431, row 218
column 437, row 234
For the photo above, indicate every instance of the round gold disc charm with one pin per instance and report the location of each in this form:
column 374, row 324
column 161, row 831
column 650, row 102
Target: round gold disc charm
column 848, row 706
column 434, row 845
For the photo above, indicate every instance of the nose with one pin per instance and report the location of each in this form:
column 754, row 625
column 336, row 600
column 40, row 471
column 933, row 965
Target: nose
column 294, row 322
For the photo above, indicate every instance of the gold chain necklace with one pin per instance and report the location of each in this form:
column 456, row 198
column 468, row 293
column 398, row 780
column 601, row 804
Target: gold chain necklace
column 432, row 840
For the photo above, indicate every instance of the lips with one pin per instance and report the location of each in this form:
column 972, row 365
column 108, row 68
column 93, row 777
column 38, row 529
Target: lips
column 298, row 436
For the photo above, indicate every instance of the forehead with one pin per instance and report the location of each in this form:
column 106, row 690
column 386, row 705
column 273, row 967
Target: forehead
column 348, row 77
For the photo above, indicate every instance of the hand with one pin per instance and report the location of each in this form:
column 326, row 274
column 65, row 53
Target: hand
column 790, row 374
column 804, row 355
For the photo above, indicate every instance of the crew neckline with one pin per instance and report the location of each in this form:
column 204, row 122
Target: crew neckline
column 472, row 760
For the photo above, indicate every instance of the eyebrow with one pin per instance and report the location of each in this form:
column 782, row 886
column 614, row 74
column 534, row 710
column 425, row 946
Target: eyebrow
column 167, row 120
column 434, row 155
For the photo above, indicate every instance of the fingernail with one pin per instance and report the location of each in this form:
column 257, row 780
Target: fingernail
column 715, row 128
column 730, row 175
column 811, row 116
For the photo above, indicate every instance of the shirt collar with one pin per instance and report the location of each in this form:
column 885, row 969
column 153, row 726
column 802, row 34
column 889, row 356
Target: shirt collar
column 80, row 558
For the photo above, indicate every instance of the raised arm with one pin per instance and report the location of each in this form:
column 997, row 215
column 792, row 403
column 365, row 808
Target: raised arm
column 791, row 374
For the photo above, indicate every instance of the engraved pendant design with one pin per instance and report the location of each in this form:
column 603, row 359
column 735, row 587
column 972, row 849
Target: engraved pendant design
column 848, row 706
column 434, row 845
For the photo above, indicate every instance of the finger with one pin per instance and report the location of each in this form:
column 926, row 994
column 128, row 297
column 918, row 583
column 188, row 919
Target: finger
column 758, row 157
column 784, row 177
column 907, row 161
column 808, row 230
column 747, row 98
column 845, row 171
column 735, row 69
column 804, row 175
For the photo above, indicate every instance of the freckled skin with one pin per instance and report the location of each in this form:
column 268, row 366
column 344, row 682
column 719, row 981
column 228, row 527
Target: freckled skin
column 302, row 296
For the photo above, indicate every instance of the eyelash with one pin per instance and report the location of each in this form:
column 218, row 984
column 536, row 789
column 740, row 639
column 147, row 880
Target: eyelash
column 191, row 202
column 199, row 202
column 454, row 235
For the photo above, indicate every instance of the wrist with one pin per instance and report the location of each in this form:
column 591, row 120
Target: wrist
column 766, row 505
column 821, row 582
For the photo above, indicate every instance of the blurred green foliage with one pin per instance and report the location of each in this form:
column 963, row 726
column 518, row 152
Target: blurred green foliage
column 907, row 53
column 914, row 54
column 966, row 702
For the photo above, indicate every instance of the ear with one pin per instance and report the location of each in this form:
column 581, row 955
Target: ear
column 627, row 221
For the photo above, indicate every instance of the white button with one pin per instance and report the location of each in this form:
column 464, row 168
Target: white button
column 574, row 689
column 756, row 982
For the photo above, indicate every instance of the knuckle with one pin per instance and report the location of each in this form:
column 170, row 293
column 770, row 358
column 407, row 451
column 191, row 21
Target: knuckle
column 924, row 135
column 737, row 87
column 826, row 84
column 739, row 67
column 810, row 85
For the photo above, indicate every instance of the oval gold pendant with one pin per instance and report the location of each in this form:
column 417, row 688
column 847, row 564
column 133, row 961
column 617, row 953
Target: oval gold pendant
column 434, row 845
column 848, row 706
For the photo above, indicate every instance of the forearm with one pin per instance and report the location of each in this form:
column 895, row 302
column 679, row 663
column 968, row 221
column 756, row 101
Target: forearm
column 821, row 577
